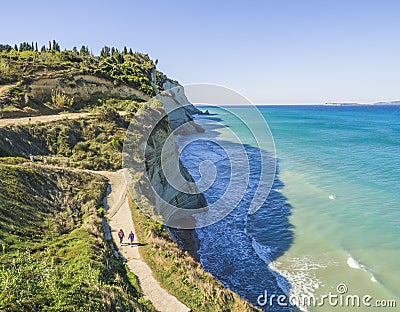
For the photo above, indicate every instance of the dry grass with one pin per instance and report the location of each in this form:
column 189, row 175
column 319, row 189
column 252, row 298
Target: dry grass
column 179, row 273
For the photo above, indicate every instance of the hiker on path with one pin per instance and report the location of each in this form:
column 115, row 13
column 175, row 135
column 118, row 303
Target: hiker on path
column 121, row 236
column 31, row 158
column 45, row 160
column 131, row 237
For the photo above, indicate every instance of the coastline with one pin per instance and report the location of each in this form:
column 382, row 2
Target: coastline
column 187, row 240
column 173, row 104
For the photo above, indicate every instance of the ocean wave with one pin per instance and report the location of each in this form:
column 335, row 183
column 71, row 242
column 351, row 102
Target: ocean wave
column 354, row 264
column 300, row 273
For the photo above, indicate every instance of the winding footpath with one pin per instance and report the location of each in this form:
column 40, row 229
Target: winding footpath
column 119, row 216
column 39, row 119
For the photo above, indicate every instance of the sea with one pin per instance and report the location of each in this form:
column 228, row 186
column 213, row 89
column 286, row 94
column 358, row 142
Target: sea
column 327, row 238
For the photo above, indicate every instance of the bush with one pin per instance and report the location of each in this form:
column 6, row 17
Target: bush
column 60, row 100
column 53, row 255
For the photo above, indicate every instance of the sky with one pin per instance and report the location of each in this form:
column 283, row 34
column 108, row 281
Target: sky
column 275, row 52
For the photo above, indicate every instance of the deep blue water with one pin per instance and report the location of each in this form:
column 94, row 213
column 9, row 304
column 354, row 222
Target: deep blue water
column 351, row 152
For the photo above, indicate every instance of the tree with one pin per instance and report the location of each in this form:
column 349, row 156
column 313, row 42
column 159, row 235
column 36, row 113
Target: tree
column 119, row 58
column 25, row 46
column 5, row 47
column 130, row 51
column 49, row 45
column 105, row 52
column 115, row 52
column 43, row 48
column 56, row 46
column 36, row 47
column 125, row 50
column 84, row 50
column 15, row 47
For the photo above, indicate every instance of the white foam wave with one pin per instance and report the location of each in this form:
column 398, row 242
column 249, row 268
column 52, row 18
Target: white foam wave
column 354, row 264
column 262, row 251
column 300, row 272
column 265, row 253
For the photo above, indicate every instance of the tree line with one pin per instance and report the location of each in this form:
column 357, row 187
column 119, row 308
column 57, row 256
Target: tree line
column 26, row 46
column 105, row 52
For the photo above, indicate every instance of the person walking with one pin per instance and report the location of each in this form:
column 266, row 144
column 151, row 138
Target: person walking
column 31, row 158
column 121, row 236
column 131, row 237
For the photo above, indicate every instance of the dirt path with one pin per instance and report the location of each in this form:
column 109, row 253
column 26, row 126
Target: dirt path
column 45, row 118
column 36, row 119
column 119, row 215
column 120, row 218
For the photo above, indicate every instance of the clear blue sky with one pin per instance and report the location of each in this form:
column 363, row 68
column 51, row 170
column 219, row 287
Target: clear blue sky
column 279, row 51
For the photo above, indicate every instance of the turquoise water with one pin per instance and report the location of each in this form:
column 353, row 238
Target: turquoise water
column 333, row 215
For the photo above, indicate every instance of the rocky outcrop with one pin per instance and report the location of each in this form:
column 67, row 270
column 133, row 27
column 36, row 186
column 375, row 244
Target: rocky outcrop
column 165, row 182
column 81, row 88
column 179, row 109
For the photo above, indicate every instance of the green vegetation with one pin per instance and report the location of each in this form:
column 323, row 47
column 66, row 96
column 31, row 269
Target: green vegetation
column 60, row 100
column 133, row 69
column 91, row 143
column 53, row 254
column 23, row 68
column 180, row 273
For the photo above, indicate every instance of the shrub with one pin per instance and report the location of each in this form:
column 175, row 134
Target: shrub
column 60, row 100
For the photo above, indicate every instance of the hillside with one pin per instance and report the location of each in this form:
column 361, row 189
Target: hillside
column 49, row 80
column 54, row 256
column 94, row 142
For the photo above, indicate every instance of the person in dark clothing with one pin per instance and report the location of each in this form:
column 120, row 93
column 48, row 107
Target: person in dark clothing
column 131, row 237
column 121, row 236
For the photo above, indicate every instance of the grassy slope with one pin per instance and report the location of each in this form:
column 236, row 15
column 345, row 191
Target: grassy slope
column 92, row 148
column 89, row 143
column 18, row 69
column 55, row 259
column 53, row 253
column 180, row 273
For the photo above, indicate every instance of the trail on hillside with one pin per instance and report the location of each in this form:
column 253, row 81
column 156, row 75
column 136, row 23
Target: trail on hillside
column 37, row 119
column 120, row 218
column 47, row 118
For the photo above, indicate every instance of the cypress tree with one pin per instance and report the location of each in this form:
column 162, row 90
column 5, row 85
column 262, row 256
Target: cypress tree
column 105, row 51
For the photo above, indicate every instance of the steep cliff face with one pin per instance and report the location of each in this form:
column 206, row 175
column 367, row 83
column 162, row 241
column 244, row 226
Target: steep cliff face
column 81, row 88
column 165, row 182
column 165, row 169
column 179, row 109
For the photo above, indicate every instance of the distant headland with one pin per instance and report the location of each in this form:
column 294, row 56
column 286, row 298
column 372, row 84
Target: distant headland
column 363, row 104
